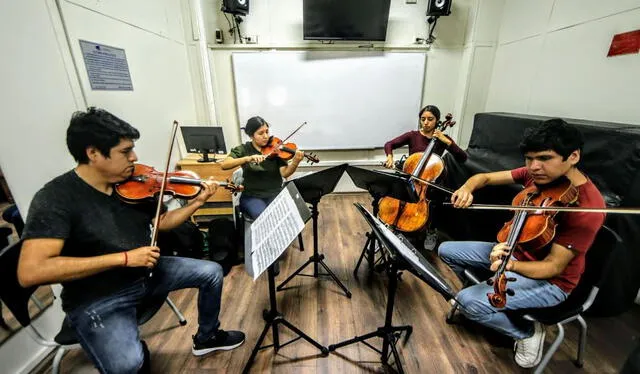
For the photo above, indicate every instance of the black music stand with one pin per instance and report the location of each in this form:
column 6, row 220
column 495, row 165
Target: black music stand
column 401, row 255
column 272, row 316
column 379, row 184
column 312, row 187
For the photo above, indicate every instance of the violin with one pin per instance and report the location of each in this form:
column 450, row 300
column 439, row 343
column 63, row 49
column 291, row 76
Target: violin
column 421, row 166
column 145, row 183
column 275, row 148
column 530, row 230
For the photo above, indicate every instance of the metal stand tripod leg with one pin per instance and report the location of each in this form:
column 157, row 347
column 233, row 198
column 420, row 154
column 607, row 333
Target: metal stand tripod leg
column 273, row 318
column 388, row 332
column 369, row 252
column 369, row 249
column 316, row 259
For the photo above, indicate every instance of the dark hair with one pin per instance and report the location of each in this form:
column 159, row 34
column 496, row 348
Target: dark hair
column 433, row 109
column 554, row 134
column 96, row 128
column 253, row 124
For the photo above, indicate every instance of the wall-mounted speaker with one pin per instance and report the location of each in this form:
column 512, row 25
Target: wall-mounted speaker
column 240, row 7
column 438, row 8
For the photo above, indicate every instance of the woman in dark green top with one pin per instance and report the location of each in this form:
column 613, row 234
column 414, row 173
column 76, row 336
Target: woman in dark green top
column 262, row 176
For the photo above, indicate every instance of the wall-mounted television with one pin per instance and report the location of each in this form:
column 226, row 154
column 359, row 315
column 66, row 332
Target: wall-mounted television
column 345, row 19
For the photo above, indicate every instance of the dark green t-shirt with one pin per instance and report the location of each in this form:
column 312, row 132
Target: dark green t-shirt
column 262, row 180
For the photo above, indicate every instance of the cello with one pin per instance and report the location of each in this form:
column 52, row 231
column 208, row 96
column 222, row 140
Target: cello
column 411, row 217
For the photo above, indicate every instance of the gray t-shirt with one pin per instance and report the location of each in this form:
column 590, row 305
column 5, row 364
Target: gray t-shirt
column 91, row 224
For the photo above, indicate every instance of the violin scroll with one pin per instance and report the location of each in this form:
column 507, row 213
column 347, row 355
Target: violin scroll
column 498, row 298
column 311, row 158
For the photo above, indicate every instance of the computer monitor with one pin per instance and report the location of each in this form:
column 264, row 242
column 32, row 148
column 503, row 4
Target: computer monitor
column 205, row 140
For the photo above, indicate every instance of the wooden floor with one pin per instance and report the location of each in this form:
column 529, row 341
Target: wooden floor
column 320, row 309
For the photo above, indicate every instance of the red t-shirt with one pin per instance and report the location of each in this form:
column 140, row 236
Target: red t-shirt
column 575, row 230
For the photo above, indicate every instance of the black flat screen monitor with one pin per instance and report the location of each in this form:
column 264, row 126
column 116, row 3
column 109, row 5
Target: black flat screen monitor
column 205, row 140
column 345, row 19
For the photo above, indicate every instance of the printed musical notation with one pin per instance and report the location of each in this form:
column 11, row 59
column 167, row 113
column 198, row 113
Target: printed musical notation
column 273, row 231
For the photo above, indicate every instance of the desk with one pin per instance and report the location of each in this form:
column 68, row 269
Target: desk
column 220, row 202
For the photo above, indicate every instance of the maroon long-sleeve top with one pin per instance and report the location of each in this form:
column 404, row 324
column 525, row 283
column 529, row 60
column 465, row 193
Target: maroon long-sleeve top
column 418, row 143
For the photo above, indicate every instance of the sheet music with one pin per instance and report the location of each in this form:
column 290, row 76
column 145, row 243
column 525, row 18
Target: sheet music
column 273, row 231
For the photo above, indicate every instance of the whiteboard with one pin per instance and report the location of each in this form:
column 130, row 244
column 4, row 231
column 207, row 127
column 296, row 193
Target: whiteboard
column 350, row 100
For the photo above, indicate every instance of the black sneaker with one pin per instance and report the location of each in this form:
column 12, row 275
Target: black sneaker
column 221, row 341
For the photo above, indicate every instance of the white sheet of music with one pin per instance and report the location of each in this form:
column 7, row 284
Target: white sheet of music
column 273, row 231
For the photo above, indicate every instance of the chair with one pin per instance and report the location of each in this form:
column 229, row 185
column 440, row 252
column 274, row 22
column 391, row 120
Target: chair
column 12, row 215
column 16, row 298
column 598, row 264
column 237, row 179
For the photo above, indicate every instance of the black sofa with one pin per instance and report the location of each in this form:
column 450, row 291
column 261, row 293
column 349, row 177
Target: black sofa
column 611, row 158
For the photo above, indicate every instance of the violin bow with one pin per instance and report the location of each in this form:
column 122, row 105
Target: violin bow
column 528, row 208
column 154, row 233
column 551, row 208
column 294, row 131
column 428, row 183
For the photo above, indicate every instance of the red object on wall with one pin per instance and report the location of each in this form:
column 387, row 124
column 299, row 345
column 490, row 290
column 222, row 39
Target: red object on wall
column 625, row 43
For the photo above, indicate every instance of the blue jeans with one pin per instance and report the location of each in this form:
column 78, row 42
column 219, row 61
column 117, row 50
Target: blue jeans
column 108, row 328
column 529, row 293
column 254, row 206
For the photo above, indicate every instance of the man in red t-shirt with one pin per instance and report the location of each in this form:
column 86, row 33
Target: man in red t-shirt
column 544, row 277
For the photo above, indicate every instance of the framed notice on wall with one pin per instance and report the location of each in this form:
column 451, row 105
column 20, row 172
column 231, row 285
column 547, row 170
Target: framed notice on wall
column 107, row 67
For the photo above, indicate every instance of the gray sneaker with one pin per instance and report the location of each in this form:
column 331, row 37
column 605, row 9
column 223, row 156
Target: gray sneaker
column 430, row 240
column 529, row 350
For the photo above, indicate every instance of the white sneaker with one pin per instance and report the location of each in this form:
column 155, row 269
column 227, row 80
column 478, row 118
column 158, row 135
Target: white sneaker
column 430, row 240
column 529, row 350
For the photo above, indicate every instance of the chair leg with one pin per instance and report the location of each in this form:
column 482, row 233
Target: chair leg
column 173, row 307
column 582, row 343
column 552, row 349
column 57, row 359
column 452, row 313
column 37, row 302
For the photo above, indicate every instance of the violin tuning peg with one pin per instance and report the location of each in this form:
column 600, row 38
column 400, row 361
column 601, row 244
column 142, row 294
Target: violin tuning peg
column 490, row 282
column 510, row 292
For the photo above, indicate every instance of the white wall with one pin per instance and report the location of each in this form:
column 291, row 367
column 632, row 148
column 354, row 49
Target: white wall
column 153, row 36
column 36, row 100
column 278, row 25
column 477, row 64
column 551, row 60
column 42, row 88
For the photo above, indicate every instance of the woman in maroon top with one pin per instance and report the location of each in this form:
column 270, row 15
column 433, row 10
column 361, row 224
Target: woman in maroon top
column 419, row 140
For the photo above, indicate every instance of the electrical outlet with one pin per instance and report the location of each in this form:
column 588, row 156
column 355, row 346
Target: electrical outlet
column 412, row 1
column 251, row 39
